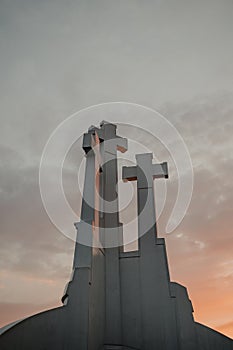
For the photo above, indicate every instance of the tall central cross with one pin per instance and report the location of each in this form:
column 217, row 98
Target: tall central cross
column 110, row 143
column 145, row 172
column 100, row 207
column 112, row 235
column 101, row 146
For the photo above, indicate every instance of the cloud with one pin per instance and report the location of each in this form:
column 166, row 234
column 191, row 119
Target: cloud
column 16, row 311
column 33, row 253
column 29, row 243
column 53, row 64
column 200, row 250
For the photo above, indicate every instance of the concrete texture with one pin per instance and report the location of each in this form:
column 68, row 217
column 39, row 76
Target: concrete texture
column 116, row 300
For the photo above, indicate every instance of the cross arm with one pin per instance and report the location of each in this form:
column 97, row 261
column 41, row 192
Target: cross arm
column 122, row 144
column 129, row 173
column 160, row 170
column 88, row 142
column 107, row 133
column 133, row 173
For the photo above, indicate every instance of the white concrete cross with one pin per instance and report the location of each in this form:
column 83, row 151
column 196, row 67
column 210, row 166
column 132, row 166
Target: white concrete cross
column 145, row 172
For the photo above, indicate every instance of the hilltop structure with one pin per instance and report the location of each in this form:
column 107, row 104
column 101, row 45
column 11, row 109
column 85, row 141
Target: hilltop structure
column 116, row 299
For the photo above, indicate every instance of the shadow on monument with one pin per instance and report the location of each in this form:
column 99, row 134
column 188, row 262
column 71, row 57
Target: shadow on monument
column 116, row 299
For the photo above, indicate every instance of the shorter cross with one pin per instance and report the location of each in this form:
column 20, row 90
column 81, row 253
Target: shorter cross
column 145, row 172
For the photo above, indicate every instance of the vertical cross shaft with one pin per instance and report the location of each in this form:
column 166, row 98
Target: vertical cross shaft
column 110, row 143
column 77, row 294
column 154, row 279
column 101, row 146
column 83, row 247
column 111, row 228
column 144, row 172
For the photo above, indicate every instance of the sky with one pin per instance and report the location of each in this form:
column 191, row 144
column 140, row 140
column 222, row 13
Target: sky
column 59, row 57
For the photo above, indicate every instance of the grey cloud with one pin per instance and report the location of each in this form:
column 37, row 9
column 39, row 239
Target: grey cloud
column 29, row 243
column 57, row 59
